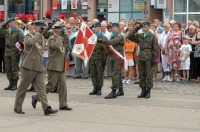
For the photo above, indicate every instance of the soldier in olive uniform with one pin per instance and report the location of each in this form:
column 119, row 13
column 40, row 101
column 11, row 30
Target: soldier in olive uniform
column 117, row 41
column 12, row 35
column 148, row 52
column 33, row 69
column 57, row 45
column 96, row 62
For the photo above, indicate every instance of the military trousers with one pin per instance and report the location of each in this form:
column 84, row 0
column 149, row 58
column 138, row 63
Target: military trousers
column 96, row 72
column 116, row 66
column 12, row 66
column 53, row 78
column 29, row 76
column 145, row 74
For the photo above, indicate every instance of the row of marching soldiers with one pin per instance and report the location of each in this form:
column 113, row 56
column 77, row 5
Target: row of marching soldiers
column 25, row 42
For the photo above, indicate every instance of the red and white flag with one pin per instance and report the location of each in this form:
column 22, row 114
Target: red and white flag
column 84, row 43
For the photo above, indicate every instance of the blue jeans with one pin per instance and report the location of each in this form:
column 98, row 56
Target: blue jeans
column 79, row 65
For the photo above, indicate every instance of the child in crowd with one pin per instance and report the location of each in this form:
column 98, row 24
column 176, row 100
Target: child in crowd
column 129, row 48
column 185, row 58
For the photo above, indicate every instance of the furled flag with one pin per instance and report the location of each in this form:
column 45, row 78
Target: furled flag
column 84, row 43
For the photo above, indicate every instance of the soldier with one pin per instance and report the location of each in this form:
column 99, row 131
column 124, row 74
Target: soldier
column 96, row 62
column 33, row 69
column 148, row 44
column 117, row 41
column 56, row 67
column 12, row 35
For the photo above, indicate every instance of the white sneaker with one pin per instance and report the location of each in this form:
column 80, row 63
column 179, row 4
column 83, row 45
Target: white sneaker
column 178, row 80
column 128, row 82
column 165, row 79
column 124, row 81
column 170, row 80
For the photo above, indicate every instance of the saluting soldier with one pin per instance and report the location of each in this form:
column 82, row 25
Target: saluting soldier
column 96, row 62
column 12, row 35
column 57, row 47
column 148, row 44
column 33, row 69
column 117, row 41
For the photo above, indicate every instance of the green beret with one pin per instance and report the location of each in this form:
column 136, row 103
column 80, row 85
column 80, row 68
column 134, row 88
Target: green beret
column 146, row 23
column 38, row 23
column 98, row 24
column 115, row 24
column 11, row 20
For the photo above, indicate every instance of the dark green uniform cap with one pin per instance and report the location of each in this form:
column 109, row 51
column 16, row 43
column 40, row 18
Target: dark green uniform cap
column 146, row 23
column 38, row 23
column 115, row 24
column 11, row 20
column 98, row 24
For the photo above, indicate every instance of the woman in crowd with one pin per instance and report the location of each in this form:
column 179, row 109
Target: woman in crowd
column 155, row 67
column 173, row 44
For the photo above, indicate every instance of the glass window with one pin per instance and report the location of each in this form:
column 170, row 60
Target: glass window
column 137, row 15
column 194, row 5
column 180, row 5
column 194, row 17
column 181, row 18
column 125, row 16
column 102, row 5
column 125, row 5
column 113, row 17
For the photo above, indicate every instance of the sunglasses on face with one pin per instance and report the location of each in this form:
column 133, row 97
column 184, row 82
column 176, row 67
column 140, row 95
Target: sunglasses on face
column 68, row 28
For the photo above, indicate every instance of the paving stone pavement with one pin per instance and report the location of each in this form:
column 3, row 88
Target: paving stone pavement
column 173, row 107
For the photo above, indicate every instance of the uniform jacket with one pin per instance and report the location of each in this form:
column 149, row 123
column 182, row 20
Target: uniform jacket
column 10, row 40
column 33, row 52
column 99, row 50
column 117, row 42
column 148, row 45
column 57, row 53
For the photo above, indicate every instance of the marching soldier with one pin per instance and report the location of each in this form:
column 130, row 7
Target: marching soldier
column 117, row 41
column 56, row 67
column 33, row 69
column 96, row 62
column 12, row 35
column 148, row 52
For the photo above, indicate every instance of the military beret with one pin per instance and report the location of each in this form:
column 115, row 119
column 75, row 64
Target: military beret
column 38, row 23
column 11, row 20
column 146, row 23
column 58, row 27
column 115, row 24
column 98, row 24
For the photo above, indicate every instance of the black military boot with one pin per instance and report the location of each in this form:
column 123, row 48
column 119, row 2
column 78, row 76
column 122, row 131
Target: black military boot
column 31, row 88
column 9, row 86
column 34, row 101
column 55, row 89
column 94, row 91
column 120, row 92
column 49, row 111
column 14, row 86
column 143, row 93
column 147, row 95
column 99, row 90
column 112, row 94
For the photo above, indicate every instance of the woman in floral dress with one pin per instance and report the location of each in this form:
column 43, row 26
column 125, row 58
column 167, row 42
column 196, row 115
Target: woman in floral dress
column 173, row 44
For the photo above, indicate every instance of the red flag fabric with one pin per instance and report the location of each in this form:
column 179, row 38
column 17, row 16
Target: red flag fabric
column 84, row 43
